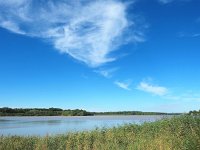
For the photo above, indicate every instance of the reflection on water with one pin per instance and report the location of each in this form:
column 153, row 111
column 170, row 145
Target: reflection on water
column 57, row 125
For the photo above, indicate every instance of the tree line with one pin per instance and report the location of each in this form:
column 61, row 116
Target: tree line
column 6, row 111
column 133, row 113
column 194, row 112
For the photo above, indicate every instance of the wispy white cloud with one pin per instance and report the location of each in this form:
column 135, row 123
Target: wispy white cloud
column 107, row 73
column 14, row 3
column 165, row 1
column 124, row 85
column 188, row 35
column 154, row 89
column 165, row 93
column 169, row 1
column 11, row 26
column 187, row 96
column 196, row 35
column 86, row 30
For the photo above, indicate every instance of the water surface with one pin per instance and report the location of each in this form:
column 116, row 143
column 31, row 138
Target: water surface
column 59, row 124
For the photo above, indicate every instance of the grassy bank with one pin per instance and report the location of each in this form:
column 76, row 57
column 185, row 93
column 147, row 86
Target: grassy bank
column 178, row 133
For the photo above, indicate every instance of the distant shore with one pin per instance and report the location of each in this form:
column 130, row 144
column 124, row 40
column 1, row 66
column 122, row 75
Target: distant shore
column 6, row 111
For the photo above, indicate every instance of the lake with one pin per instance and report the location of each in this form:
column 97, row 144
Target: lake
column 59, row 124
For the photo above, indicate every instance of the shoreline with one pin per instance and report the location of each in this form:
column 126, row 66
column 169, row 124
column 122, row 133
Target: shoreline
column 179, row 132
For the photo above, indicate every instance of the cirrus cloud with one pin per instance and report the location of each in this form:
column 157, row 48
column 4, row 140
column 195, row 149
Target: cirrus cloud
column 165, row 1
column 124, row 85
column 86, row 30
column 154, row 89
column 169, row 1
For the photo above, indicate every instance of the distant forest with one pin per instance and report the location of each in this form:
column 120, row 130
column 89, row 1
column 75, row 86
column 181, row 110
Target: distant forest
column 194, row 112
column 5, row 111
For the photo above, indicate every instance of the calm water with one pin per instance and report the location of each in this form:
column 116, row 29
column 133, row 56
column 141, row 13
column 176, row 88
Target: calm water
column 57, row 125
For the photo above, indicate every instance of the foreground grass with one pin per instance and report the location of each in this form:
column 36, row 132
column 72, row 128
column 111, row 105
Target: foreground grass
column 178, row 133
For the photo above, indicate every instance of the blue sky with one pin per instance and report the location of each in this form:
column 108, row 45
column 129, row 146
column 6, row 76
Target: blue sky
column 102, row 55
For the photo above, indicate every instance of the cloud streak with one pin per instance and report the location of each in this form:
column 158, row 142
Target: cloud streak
column 123, row 85
column 187, row 96
column 169, row 1
column 86, row 30
column 165, row 93
column 165, row 1
column 107, row 73
column 153, row 89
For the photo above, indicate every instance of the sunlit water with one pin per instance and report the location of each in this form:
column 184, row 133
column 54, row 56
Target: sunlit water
column 57, row 125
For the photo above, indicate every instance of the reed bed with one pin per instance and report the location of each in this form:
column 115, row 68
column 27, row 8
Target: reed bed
column 176, row 133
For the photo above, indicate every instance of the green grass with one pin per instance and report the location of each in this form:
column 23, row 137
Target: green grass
column 177, row 133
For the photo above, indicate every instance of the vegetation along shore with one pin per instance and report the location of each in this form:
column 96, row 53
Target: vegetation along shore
column 176, row 133
column 5, row 111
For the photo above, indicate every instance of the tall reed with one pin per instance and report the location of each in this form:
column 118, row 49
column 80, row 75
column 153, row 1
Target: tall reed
column 177, row 133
